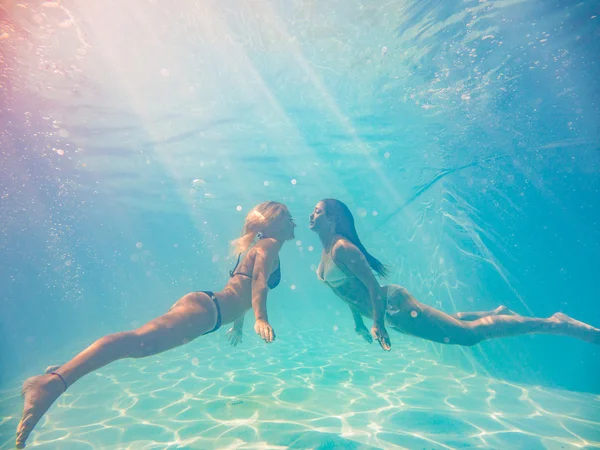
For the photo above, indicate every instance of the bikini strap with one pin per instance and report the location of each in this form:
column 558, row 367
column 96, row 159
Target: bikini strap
column 232, row 272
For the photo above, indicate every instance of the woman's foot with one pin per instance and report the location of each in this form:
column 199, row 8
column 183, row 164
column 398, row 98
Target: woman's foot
column 504, row 311
column 577, row 328
column 38, row 395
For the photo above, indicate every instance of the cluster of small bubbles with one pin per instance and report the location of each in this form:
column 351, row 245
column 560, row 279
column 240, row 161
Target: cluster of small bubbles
column 362, row 212
column 139, row 245
column 310, row 248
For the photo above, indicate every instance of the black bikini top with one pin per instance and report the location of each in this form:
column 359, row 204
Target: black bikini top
column 273, row 280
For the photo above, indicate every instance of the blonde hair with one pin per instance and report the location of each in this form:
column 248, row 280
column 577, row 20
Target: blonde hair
column 256, row 220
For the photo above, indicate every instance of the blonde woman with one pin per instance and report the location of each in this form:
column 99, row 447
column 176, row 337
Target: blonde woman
column 267, row 227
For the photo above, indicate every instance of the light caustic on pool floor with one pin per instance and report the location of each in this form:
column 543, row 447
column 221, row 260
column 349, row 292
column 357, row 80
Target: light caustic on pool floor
column 304, row 393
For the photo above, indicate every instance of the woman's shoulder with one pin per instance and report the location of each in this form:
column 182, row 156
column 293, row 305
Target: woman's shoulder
column 266, row 244
column 343, row 249
column 342, row 245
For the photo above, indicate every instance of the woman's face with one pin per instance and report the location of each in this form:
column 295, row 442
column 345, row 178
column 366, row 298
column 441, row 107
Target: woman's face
column 282, row 227
column 318, row 219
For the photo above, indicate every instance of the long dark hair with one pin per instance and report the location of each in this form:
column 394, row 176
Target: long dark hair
column 344, row 226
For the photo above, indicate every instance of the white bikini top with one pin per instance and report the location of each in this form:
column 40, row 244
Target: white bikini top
column 332, row 274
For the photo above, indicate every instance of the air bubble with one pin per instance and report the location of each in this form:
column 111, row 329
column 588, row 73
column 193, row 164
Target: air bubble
column 197, row 183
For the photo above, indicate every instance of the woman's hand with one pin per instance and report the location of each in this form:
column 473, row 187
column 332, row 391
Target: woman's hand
column 380, row 333
column 234, row 335
column 264, row 330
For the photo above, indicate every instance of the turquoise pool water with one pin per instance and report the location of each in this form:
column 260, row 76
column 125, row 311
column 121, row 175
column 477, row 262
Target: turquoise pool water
column 463, row 136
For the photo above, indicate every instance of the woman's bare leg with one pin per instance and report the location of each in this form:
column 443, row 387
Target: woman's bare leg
column 474, row 315
column 410, row 316
column 189, row 318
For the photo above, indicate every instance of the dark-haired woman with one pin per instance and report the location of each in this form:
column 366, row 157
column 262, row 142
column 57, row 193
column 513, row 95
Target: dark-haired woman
column 347, row 268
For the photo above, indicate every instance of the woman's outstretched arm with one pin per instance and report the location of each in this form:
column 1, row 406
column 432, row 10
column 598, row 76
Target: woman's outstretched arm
column 266, row 255
column 349, row 256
